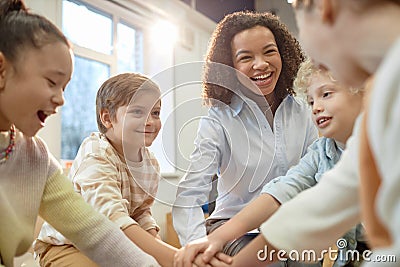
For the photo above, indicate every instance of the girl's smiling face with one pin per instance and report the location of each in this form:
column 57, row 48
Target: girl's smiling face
column 32, row 89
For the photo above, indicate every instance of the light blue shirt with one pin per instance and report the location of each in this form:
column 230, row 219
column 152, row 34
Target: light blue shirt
column 321, row 156
column 236, row 142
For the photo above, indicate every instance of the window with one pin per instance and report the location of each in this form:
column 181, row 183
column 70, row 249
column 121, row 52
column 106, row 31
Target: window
column 105, row 43
column 78, row 114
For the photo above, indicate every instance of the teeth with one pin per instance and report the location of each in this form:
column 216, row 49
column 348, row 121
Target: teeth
column 264, row 76
column 322, row 120
column 48, row 113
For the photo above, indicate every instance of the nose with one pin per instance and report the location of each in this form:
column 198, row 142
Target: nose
column 149, row 120
column 260, row 63
column 317, row 107
column 58, row 97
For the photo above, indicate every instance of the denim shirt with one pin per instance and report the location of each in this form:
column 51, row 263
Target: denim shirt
column 237, row 143
column 321, row 156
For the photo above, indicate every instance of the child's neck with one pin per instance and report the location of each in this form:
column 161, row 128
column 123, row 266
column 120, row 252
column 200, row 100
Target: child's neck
column 131, row 154
column 134, row 155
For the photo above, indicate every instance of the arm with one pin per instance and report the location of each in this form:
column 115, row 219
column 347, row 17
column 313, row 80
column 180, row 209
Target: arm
column 247, row 219
column 163, row 252
column 91, row 232
column 383, row 131
column 193, row 189
column 302, row 176
column 256, row 253
column 370, row 183
column 281, row 189
column 318, row 216
column 97, row 179
column 322, row 213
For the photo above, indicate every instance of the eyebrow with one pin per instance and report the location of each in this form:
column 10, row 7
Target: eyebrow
column 130, row 107
column 327, row 86
column 238, row 53
column 57, row 72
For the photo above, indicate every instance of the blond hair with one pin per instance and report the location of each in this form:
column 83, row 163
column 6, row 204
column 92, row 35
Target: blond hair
column 306, row 72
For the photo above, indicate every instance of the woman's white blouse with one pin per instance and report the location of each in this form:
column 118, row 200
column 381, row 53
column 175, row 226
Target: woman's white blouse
column 236, row 142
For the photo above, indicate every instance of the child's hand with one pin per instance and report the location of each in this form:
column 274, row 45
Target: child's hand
column 219, row 260
column 186, row 255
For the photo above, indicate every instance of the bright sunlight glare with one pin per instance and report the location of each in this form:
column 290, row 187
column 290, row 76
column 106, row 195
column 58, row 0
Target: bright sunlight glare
column 164, row 32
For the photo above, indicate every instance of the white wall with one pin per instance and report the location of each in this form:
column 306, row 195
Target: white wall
column 186, row 97
column 281, row 8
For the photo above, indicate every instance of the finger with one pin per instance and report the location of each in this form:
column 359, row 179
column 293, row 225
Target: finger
column 177, row 260
column 223, row 257
column 200, row 263
column 215, row 262
column 209, row 253
column 191, row 252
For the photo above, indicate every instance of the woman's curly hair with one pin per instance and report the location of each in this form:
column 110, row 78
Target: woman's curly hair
column 219, row 77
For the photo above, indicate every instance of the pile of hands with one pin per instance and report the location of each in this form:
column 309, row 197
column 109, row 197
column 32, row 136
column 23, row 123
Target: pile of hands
column 203, row 252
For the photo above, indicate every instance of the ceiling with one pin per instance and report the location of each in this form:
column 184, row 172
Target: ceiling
column 217, row 9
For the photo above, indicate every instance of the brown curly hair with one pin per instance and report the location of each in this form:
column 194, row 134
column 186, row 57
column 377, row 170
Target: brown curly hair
column 219, row 76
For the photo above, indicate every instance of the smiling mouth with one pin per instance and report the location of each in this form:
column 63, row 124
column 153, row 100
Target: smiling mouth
column 322, row 121
column 261, row 77
column 42, row 116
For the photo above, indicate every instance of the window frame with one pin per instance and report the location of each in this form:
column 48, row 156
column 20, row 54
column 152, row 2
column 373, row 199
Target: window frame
column 140, row 21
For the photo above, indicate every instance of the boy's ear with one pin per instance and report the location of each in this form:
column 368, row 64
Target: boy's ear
column 2, row 71
column 105, row 118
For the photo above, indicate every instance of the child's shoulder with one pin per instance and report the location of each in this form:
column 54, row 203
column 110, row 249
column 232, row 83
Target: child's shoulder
column 96, row 143
column 325, row 146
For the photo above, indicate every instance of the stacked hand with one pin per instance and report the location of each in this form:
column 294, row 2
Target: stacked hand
column 203, row 252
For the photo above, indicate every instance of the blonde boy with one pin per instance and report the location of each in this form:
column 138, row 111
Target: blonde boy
column 115, row 172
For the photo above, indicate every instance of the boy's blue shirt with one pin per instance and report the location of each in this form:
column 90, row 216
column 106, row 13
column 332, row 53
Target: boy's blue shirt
column 321, row 156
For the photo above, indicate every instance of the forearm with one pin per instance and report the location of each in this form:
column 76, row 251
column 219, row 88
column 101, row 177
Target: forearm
column 154, row 233
column 249, row 218
column 161, row 251
column 257, row 253
column 91, row 232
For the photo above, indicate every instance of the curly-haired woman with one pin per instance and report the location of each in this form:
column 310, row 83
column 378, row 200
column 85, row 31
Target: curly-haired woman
column 255, row 129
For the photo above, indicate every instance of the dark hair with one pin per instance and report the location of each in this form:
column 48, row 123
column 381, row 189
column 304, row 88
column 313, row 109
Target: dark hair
column 118, row 91
column 217, row 77
column 19, row 28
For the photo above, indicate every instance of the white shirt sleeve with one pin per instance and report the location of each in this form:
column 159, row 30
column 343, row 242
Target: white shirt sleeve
column 194, row 188
column 384, row 132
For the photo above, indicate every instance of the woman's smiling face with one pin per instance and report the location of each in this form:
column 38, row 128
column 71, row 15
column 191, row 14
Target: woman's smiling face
column 255, row 54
